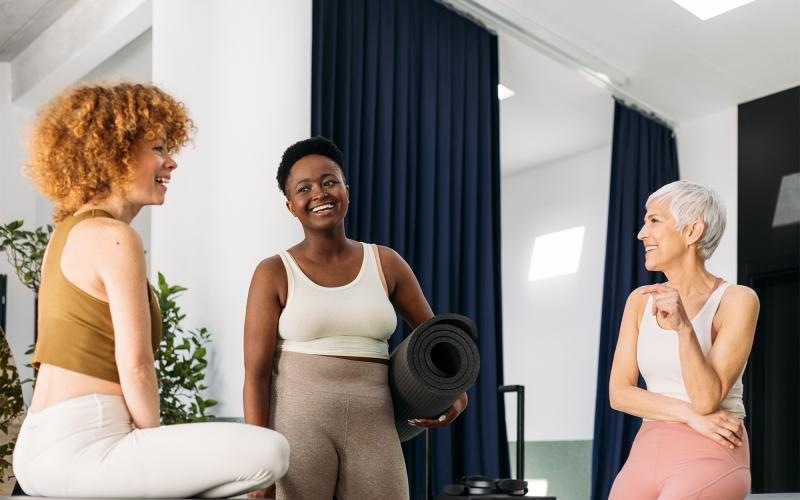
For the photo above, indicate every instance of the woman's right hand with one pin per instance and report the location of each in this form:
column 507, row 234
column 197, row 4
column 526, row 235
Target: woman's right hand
column 720, row 426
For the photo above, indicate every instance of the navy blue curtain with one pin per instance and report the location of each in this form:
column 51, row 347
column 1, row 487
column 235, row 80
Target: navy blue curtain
column 643, row 158
column 408, row 90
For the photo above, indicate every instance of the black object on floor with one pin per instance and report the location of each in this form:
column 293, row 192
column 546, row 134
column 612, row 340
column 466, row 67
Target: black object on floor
column 486, row 488
column 491, row 496
column 431, row 368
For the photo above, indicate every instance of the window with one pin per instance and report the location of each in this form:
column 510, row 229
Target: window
column 556, row 254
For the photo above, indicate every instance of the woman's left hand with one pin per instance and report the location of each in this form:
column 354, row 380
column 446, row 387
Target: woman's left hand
column 448, row 416
column 667, row 305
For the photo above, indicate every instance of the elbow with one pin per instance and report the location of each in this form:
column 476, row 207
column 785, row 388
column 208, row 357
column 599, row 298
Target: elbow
column 613, row 398
column 706, row 402
column 136, row 371
column 706, row 406
column 257, row 379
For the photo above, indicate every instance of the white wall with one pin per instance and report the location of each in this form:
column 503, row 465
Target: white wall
column 243, row 69
column 133, row 62
column 707, row 153
column 551, row 328
column 17, row 201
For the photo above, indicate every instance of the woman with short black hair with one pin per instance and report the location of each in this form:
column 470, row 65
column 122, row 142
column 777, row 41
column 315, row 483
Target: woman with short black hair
column 318, row 321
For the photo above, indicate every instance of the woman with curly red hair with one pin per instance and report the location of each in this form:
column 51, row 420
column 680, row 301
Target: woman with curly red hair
column 101, row 153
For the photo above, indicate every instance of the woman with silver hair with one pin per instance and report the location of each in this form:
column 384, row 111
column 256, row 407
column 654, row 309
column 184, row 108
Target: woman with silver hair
column 690, row 339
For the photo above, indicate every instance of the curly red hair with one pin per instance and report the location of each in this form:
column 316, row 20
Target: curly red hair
column 84, row 142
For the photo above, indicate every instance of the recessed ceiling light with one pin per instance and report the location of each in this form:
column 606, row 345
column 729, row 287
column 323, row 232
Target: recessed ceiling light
column 706, row 9
column 504, row 92
column 556, row 254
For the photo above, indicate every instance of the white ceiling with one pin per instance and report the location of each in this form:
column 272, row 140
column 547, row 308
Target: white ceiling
column 673, row 62
column 21, row 21
column 556, row 112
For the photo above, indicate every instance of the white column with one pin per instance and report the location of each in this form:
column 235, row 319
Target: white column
column 243, row 69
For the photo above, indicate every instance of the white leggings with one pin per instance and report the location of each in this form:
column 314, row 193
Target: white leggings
column 87, row 447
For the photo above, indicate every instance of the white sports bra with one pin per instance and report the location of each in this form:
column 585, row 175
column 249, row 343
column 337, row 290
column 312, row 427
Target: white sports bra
column 355, row 319
column 659, row 361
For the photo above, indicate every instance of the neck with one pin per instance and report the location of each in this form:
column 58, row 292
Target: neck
column 322, row 245
column 690, row 277
column 119, row 208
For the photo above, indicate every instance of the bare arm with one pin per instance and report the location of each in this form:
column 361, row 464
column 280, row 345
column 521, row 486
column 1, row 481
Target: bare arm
column 122, row 270
column 709, row 379
column 407, row 298
column 404, row 290
column 260, row 336
column 624, row 393
column 626, row 396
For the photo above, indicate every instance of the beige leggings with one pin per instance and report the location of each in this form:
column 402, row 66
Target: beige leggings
column 338, row 417
column 86, row 447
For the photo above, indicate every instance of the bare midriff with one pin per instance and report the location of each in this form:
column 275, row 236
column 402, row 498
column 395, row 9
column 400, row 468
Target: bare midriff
column 55, row 384
column 357, row 358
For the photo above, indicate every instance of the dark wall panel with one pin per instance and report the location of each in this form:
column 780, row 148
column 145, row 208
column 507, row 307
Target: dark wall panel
column 768, row 261
column 769, row 149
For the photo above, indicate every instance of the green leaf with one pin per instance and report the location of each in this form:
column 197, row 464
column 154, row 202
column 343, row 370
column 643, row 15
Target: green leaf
column 180, row 361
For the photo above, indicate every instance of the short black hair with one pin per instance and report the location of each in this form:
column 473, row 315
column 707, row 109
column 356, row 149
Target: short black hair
column 312, row 146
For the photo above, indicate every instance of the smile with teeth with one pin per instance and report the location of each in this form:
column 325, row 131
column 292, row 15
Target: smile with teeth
column 650, row 248
column 322, row 208
column 162, row 180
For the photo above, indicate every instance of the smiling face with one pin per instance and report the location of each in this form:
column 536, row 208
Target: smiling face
column 316, row 192
column 153, row 173
column 663, row 243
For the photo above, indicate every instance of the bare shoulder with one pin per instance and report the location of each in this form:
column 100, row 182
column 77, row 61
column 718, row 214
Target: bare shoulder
column 739, row 298
column 269, row 277
column 270, row 268
column 388, row 254
column 104, row 241
column 393, row 264
column 741, row 291
column 637, row 300
column 106, row 231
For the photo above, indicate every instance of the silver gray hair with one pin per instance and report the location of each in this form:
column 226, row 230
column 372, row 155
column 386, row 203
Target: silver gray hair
column 689, row 201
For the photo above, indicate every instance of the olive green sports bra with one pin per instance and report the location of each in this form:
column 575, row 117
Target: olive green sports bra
column 75, row 329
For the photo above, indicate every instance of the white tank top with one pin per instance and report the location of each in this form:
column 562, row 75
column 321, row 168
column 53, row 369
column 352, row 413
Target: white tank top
column 659, row 361
column 355, row 319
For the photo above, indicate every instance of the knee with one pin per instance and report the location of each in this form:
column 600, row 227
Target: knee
column 732, row 485
column 275, row 453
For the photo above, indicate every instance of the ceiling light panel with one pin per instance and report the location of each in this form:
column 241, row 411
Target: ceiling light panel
column 706, row 9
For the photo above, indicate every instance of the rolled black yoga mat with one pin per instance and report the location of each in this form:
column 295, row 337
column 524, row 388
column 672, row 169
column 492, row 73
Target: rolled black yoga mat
column 430, row 368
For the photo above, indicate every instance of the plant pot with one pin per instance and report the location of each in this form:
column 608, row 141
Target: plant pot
column 12, row 412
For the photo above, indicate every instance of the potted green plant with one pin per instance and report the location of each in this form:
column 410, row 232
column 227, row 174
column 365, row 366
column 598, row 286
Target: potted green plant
column 180, row 362
column 25, row 251
column 12, row 411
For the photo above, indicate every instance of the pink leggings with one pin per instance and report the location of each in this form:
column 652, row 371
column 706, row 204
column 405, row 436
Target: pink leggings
column 671, row 461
